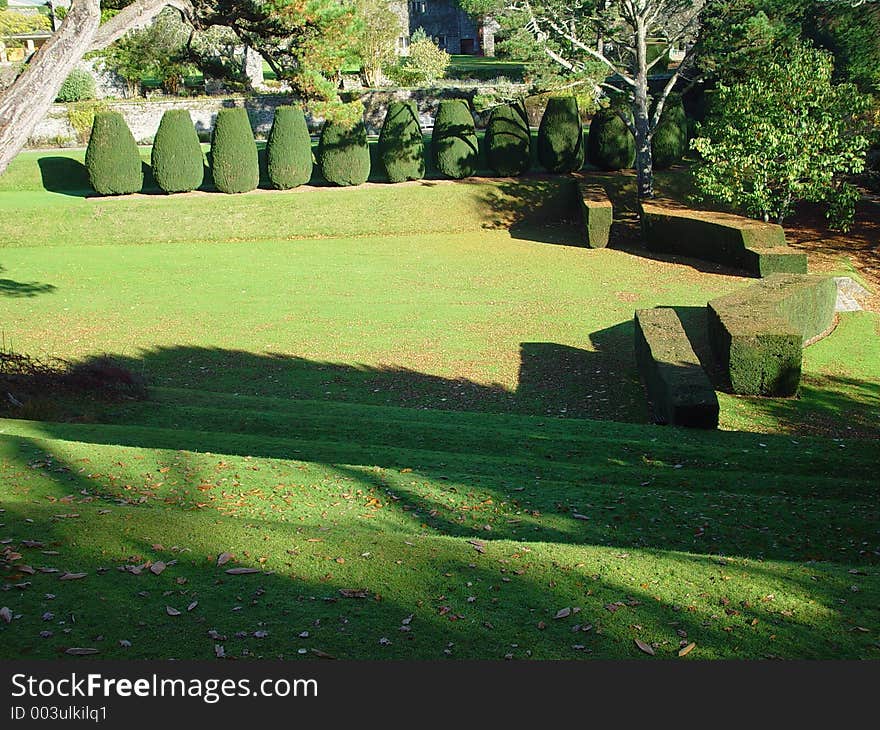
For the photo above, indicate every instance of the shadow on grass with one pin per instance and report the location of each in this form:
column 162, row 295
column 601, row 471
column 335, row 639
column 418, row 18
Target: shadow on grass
column 65, row 175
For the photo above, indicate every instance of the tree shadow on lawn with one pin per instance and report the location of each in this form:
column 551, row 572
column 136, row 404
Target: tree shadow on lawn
column 23, row 289
column 462, row 602
column 65, row 175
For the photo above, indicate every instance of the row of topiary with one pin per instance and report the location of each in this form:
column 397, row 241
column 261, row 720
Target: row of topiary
column 343, row 154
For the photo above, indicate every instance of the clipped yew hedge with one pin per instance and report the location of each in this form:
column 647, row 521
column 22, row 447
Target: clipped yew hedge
column 678, row 388
column 610, row 145
column 401, row 143
column 561, row 136
column 289, row 149
column 757, row 334
column 177, row 159
column 508, row 140
column 112, row 158
column 344, row 154
column 670, row 141
column 454, row 140
column 234, row 161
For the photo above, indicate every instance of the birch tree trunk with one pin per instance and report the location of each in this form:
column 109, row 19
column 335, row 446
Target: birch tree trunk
column 643, row 127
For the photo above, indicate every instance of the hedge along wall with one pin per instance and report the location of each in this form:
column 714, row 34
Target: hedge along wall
column 112, row 158
column 508, row 140
column 758, row 334
column 344, row 154
column 610, row 145
column 401, row 143
column 754, row 246
column 177, row 159
column 678, row 388
column 454, row 140
column 561, row 136
column 289, row 149
column 234, row 161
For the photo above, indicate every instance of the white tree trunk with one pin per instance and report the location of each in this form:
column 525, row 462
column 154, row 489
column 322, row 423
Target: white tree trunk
column 643, row 128
column 26, row 102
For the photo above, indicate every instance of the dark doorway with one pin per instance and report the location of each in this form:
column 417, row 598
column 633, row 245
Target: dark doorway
column 467, row 46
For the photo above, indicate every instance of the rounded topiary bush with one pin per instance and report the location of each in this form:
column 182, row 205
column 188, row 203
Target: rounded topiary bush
column 234, row 162
column 670, row 141
column 78, row 86
column 561, row 136
column 401, row 144
column 610, row 145
column 289, row 149
column 454, row 140
column 178, row 162
column 508, row 140
column 344, row 154
column 112, row 158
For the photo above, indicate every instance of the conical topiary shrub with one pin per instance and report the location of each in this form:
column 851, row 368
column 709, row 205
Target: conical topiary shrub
column 670, row 141
column 344, row 154
column 508, row 140
column 610, row 145
column 401, row 144
column 234, row 162
column 178, row 162
column 289, row 149
column 561, row 136
column 112, row 158
column 454, row 140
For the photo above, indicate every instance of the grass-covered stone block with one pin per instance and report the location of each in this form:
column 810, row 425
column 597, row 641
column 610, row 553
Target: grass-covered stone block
column 678, row 388
column 757, row 334
column 597, row 212
column 754, row 246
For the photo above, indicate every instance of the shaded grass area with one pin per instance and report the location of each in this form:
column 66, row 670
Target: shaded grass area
column 473, row 558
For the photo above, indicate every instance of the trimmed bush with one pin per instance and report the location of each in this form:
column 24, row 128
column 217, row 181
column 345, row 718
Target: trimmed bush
column 670, row 141
column 401, row 144
column 754, row 246
column 344, row 154
column 757, row 334
column 597, row 213
column 610, row 145
column 79, row 86
column 178, row 162
column 561, row 136
column 234, row 162
column 112, row 158
column 289, row 149
column 678, row 388
column 508, row 140
column 454, row 140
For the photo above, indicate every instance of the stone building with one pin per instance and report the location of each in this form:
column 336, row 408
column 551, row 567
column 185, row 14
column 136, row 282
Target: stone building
column 447, row 25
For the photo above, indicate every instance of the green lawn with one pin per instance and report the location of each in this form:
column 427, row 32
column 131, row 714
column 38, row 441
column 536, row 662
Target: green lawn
column 416, row 393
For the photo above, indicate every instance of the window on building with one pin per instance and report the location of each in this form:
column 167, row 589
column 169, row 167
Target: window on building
column 403, row 43
column 440, row 40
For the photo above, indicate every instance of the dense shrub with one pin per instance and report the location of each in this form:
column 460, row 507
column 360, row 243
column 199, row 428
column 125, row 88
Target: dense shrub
column 454, row 140
column 344, row 154
column 561, row 136
column 508, row 140
column 79, row 86
column 289, row 149
column 401, row 145
column 425, row 63
column 112, row 158
column 178, row 162
column 670, row 140
column 234, row 162
column 610, row 145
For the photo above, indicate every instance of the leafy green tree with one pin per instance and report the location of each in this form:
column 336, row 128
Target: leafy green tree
column 785, row 135
column 425, row 64
column 377, row 32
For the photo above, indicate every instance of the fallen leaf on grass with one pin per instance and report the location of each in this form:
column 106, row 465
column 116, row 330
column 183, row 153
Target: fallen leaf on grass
column 563, row 613
column 322, row 654
column 242, row 571
column 157, row 567
column 353, row 592
column 578, row 516
column 6, row 614
column 171, row 611
column 72, row 576
column 80, row 651
column 192, row 605
column 647, row 648
column 223, row 558
column 685, row 650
